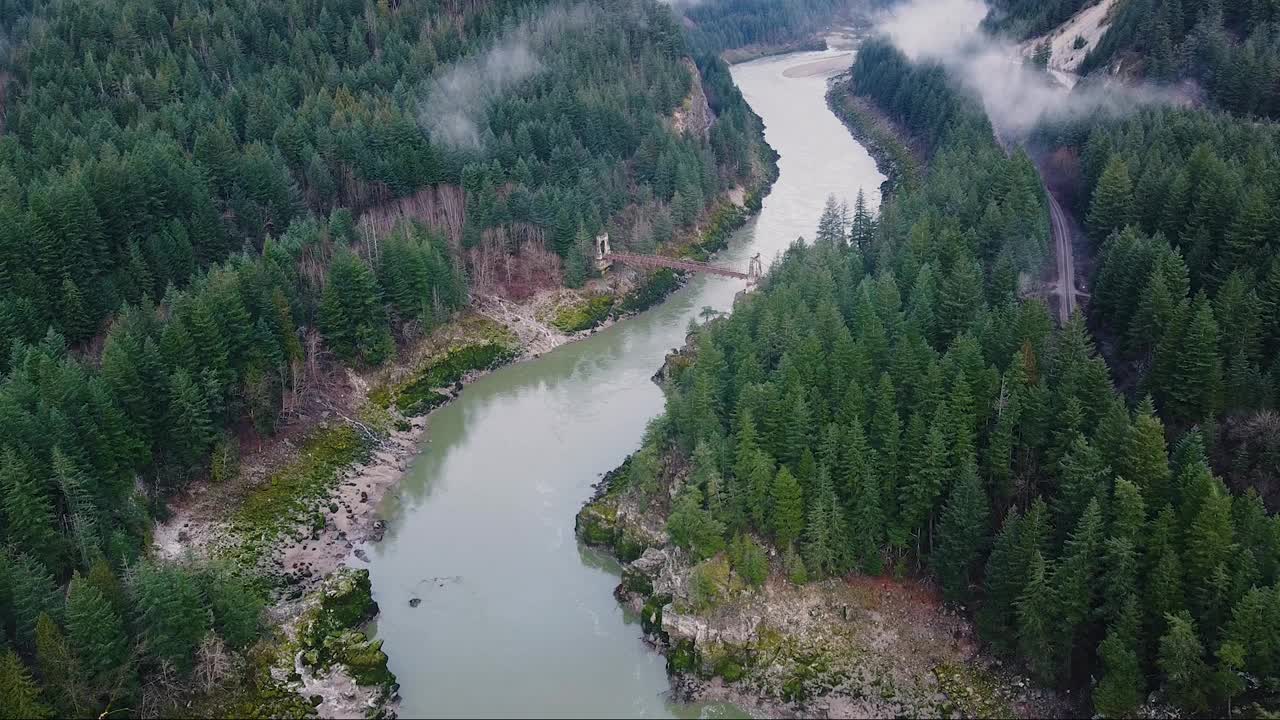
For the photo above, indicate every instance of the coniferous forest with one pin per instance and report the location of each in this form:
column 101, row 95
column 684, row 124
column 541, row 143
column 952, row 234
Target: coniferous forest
column 182, row 238
column 200, row 206
column 888, row 403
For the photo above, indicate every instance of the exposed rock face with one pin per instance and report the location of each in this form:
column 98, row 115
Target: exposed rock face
column 694, row 116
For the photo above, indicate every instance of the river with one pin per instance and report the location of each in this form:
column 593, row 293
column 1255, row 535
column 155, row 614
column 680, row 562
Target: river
column 516, row 618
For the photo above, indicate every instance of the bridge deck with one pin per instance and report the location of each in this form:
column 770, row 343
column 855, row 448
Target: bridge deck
column 674, row 264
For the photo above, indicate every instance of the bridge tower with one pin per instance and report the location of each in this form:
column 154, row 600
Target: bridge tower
column 755, row 270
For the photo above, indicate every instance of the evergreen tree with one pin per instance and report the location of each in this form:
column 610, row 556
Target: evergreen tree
column 1182, row 663
column 1037, row 621
column 1147, row 458
column 962, row 534
column 31, row 592
column 824, row 533
column 1112, row 205
column 351, row 313
column 19, row 694
column 787, row 520
column 693, row 528
column 866, row 524
column 27, row 510
column 1075, row 583
column 96, row 635
column 1120, row 691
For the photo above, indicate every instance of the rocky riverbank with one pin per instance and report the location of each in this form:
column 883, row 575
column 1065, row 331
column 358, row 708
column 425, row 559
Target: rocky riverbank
column 854, row 646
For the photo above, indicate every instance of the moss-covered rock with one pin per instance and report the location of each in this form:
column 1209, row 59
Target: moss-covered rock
column 630, row 544
column 583, row 315
column 683, row 658
column 329, row 633
column 363, row 658
column 636, row 582
column 972, row 691
column 651, row 616
column 597, row 523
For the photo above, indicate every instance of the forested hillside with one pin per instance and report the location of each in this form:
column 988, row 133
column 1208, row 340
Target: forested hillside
column 718, row 25
column 1231, row 49
column 183, row 248
column 1187, row 289
column 1023, row 18
column 887, row 403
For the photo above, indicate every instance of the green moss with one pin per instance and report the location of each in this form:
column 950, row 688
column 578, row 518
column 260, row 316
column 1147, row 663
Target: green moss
column 629, row 545
column 682, row 658
column 419, row 396
column 972, row 690
column 651, row 616
column 597, row 523
column 583, row 316
column 295, row 495
column 636, row 582
column 329, row 634
column 655, row 287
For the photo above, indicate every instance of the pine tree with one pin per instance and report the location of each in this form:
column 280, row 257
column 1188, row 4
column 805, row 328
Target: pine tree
column 1247, row 236
column 1119, row 576
column 1209, row 548
column 886, row 438
column 188, row 426
column 748, row 560
column 1128, row 512
column 58, row 666
column 787, row 520
column 1181, row 660
column 1082, row 477
column 81, row 512
column 962, row 534
column 866, row 517
column 19, row 693
column 1197, row 378
column 352, row 317
column 1120, row 691
column 170, row 611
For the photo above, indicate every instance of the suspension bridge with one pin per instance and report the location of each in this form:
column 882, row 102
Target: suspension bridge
column 605, row 257
column 752, row 275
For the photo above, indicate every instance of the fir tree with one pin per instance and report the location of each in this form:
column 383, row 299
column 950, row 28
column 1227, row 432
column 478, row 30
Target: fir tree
column 1112, row 205
column 787, row 520
column 1182, row 663
column 693, row 528
column 96, row 635
column 27, row 510
column 19, row 694
column 1120, row 691
column 1037, row 621
column 962, row 534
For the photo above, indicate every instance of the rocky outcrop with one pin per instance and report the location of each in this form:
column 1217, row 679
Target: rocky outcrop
column 694, row 116
column 332, row 643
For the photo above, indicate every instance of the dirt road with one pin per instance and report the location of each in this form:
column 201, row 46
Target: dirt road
column 1060, row 228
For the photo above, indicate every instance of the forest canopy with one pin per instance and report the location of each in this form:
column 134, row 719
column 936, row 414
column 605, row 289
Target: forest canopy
column 888, row 401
